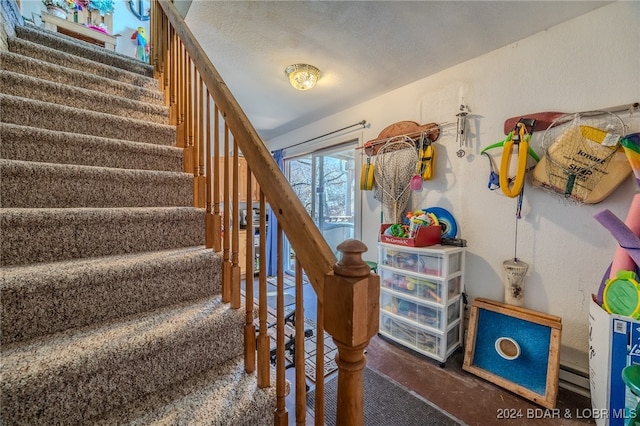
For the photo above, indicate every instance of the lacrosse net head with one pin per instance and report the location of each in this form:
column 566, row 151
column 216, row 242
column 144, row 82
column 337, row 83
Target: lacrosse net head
column 395, row 165
column 515, row 272
column 578, row 149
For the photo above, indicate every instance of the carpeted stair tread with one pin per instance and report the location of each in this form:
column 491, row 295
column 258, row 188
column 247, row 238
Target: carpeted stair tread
column 42, row 145
column 83, row 49
column 111, row 308
column 43, row 53
column 223, row 395
column 28, row 184
column 48, row 235
column 93, row 370
column 16, row 84
column 55, row 73
column 48, row 298
column 45, row 115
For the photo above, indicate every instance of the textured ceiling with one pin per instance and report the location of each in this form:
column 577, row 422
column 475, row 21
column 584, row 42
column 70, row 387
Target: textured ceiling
column 363, row 48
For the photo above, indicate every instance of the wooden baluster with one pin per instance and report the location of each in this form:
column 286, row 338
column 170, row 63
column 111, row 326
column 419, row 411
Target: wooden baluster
column 170, row 96
column 158, row 49
column 202, row 150
column 264, row 362
column 179, row 85
column 155, row 35
column 195, row 132
column 235, row 228
column 281, row 416
column 189, row 105
column 153, row 29
column 166, row 50
column 249, row 328
column 299, row 355
column 176, row 77
column 198, row 182
column 188, row 142
column 209, row 221
column 351, row 323
column 180, row 96
column 217, row 220
column 156, row 15
column 318, row 408
column 185, row 108
column 156, row 57
column 226, row 242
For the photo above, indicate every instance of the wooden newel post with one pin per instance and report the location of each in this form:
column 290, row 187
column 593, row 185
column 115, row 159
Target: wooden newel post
column 351, row 316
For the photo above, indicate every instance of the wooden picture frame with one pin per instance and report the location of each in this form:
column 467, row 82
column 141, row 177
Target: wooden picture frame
column 515, row 348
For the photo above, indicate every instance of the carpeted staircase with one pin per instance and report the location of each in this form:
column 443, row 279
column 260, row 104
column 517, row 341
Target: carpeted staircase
column 111, row 309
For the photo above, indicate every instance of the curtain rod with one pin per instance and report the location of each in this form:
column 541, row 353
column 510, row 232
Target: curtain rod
column 360, row 123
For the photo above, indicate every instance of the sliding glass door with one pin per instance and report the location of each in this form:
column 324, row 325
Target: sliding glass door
column 325, row 183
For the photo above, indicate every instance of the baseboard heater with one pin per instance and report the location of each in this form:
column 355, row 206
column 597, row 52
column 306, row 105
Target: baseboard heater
column 574, row 380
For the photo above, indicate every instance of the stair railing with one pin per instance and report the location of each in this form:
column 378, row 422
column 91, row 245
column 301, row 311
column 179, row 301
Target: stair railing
column 213, row 130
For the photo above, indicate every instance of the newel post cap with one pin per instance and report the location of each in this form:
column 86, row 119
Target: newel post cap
column 351, row 263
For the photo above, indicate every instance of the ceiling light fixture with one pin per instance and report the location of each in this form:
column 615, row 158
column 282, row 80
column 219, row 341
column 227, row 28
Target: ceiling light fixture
column 302, row 76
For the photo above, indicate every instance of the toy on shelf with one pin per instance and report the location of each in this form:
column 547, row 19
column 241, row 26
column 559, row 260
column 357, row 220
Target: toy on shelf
column 412, row 222
column 396, row 230
column 420, row 218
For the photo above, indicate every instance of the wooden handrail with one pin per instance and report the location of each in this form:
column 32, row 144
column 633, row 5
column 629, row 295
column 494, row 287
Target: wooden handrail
column 306, row 239
column 347, row 292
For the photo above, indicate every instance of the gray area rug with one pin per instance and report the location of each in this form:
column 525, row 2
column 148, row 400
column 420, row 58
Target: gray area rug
column 387, row 403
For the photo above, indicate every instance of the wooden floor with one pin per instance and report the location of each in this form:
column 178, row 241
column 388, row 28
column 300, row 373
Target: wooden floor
column 467, row 397
column 472, row 400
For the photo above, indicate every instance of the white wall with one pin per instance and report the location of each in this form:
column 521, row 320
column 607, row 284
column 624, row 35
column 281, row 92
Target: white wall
column 124, row 22
column 591, row 62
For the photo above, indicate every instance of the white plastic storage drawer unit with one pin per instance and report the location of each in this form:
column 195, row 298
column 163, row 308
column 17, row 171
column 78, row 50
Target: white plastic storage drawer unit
column 421, row 297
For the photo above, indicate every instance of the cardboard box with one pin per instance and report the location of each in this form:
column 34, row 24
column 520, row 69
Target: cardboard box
column 614, row 343
column 425, row 236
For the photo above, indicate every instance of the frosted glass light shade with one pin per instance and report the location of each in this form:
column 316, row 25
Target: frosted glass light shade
column 302, row 76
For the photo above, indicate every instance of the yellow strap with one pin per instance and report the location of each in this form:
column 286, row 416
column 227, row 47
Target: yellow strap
column 513, row 190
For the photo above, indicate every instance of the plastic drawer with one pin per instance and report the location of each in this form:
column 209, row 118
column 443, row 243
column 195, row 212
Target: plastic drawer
column 453, row 312
column 414, row 285
column 412, row 310
column 420, row 260
column 454, row 286
column 433, row 264
column 430, row 264
column 453, row 338
column 409, row 334
column 397, row 258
